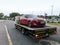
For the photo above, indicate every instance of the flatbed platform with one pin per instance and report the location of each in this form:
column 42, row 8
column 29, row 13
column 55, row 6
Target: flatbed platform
column 37, row 32
column 41, row 28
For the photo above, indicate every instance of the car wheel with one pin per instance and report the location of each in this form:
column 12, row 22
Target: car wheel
column 44, row 25
column 29, row 24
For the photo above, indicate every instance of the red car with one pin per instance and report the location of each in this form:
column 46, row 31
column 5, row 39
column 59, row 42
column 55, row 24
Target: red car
column 32, row 21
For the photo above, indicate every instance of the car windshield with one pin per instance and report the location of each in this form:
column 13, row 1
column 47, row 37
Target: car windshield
column 31, row 16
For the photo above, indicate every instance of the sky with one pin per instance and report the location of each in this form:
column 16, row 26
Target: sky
column 30, row 6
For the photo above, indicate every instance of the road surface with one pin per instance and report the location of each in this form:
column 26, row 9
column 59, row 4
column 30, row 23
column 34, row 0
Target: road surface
column 11, row 36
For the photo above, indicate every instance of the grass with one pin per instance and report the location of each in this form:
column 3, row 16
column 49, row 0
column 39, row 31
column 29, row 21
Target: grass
column 54, row 23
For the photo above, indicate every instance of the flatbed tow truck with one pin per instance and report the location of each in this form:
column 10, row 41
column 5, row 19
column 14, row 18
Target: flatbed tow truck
column 36, row 32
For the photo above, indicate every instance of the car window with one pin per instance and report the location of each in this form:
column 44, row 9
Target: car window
column 30, row 16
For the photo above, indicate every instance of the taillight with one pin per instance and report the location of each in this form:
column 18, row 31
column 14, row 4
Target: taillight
column 37, row 36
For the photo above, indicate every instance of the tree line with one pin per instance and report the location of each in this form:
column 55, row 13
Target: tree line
column 13, row 14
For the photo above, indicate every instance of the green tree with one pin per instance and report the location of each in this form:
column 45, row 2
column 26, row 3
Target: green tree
column 59, row 15
column 49, row 17
column 1, row 15
column 14, row 14
column 5, row 17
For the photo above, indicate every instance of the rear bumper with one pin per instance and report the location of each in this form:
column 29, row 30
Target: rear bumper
column 45, row 33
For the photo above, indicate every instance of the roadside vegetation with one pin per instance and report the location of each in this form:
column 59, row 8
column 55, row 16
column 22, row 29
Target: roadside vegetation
column 54, row 23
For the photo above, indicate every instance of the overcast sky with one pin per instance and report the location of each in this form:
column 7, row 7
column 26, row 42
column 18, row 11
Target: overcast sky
column 30, row 6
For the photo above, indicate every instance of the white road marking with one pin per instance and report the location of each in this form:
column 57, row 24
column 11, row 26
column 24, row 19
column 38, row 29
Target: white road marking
column 1, row 20
column 50, row 41
column 8, row 36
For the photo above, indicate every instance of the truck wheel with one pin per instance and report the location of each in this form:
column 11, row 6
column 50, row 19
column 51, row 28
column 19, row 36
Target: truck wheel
column 29, row 24
column 48, row 35
column 23, row 32
column 15, row 26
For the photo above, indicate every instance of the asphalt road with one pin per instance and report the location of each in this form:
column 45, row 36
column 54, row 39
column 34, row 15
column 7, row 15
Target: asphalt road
column 17, row 38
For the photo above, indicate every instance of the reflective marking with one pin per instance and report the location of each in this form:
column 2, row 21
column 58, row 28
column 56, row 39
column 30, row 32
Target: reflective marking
column 50, row 41
column 9, row 39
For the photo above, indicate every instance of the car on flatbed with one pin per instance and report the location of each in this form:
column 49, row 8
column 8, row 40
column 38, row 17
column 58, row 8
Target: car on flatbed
column 32, row 20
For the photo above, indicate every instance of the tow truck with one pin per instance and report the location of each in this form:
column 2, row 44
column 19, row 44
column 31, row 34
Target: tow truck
column 35, row 32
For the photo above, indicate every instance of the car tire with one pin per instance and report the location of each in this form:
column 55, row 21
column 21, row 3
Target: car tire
column 44, row 25
column 29, row 24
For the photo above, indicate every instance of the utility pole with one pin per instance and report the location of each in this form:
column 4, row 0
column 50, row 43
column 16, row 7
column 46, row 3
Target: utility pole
column 51, row 9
